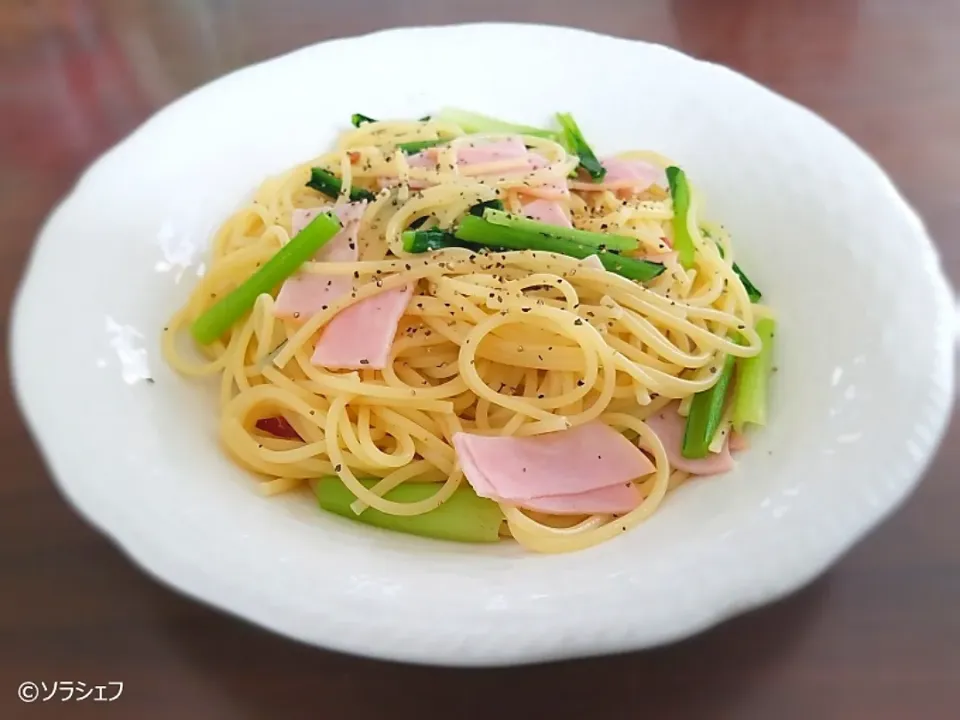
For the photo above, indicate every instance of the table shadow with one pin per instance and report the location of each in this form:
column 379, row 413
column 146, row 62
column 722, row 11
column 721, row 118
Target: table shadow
column 710, row 675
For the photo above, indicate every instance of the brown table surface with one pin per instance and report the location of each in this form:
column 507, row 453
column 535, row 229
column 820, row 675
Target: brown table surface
column 878, row 637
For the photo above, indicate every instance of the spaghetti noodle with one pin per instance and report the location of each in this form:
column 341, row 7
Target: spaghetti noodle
column 505, row 342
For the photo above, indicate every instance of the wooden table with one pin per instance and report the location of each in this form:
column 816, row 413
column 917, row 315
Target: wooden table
column 878, row 637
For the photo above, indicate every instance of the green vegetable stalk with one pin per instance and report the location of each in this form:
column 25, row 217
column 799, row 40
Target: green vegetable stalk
column 706, row 412
column 421, row 241
column 752, row 291
column 479, row 231
column 357, row 119
column 481, row 207
column 464, row 517
column 680, row 191
column 585, row 237
column 472, row 122
column 218, row 319
column 753, row 376
column 329, row 184
column 577, row 144
column 415, row 146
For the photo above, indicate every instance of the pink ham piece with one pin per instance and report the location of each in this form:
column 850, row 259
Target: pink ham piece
column 622, row 174
column 490, row 152
column 423, row 159
column 669, row 425
column 616, row 499
column 485, row 153
column 579, row 471
column 547, row 190
column 360, row 336
column 305, row 294
column 593, row 261
column 738, row 441
column 347, row 213
column 547, row 211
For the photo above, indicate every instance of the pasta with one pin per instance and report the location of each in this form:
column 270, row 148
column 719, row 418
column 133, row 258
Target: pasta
column 489, row 341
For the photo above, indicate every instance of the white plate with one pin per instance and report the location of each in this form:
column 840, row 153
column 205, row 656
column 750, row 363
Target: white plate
column 860, row 401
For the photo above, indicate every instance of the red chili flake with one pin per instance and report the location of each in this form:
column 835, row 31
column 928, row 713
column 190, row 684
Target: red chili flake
column 354, row 157
column 278, row 427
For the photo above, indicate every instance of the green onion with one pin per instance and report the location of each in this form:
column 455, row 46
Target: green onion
column 437, row 239
column 218, row 319
column 706, row 411
column 753, row 374
column 471, row 122
column 357, row 119
column 482, row 207
column 479, row 231
column 680, row 191
column 464, row 517
column 577, row 144
column 329, row 184
column 752, row 292
column 593, row 239
column 416, row 146
column 421, row 241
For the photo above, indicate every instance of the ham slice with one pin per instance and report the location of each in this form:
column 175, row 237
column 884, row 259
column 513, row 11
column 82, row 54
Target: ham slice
column 582, row 470
column 360, row 336
column 305, row 294
column 537, row 161
column 738, row 441
column 669, row 425
column 622, row 174
column 347, row 213
column 546, row 191
column 547, row 211
column 423, row 159
column 616, row 499
column 593, row 261
column 495, row 151
column 484, row 153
